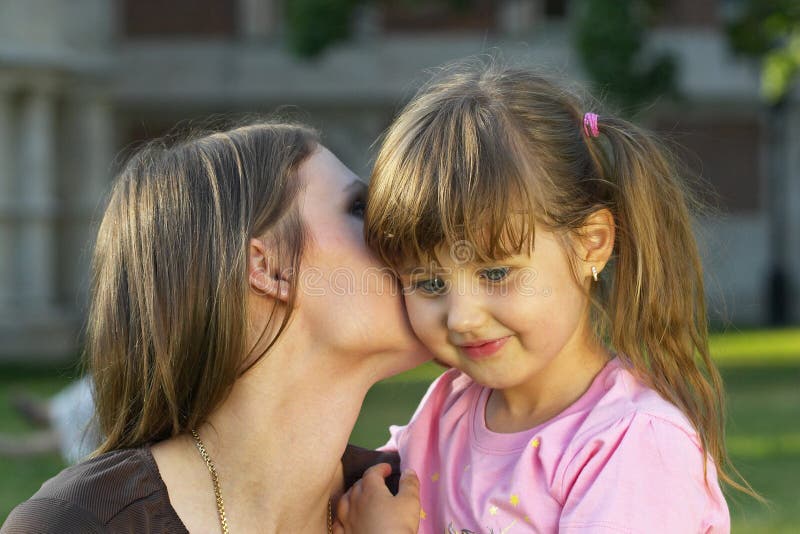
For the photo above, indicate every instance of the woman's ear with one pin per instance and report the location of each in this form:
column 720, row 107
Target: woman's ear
column 263, row 273
column 596, row 241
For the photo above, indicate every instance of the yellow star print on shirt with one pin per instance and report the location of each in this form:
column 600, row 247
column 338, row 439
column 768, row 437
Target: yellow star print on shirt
column 493, row 510
column 514, row 500
column 422, row 514
column 535, row 443
column 435, row 477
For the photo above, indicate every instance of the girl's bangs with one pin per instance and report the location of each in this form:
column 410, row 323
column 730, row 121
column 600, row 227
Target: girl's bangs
column 461, row 181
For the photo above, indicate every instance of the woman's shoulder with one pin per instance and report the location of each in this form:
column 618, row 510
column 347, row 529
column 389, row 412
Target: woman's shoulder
column 117, row 490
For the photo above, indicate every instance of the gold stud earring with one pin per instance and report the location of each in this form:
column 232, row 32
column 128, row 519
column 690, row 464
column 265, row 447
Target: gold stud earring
column 594, row 273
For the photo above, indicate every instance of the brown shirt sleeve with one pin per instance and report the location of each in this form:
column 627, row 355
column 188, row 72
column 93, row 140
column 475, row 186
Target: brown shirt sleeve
column 120, row 491
column 47, row 516
column 356, row 460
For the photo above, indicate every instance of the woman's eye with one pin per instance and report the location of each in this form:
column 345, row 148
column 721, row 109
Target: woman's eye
column 496, row 274
column 358, row 207
column 433, row 286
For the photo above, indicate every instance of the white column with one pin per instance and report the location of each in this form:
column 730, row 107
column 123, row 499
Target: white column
column 36, row 178
column 88, row 162
column 793, row 208
column 517, row 17
column 100, row 144
column 258, row 19
column 6, row 200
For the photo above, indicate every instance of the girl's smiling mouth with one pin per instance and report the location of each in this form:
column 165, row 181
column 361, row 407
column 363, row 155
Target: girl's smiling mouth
column 484, row 348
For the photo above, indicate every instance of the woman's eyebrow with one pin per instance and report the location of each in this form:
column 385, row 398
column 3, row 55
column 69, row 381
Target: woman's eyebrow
column 355, row 185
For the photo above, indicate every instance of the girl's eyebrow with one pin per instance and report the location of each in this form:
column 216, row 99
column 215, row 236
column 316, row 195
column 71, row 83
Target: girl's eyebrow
column 413, row 269
column 501, row 262
column 419, row 269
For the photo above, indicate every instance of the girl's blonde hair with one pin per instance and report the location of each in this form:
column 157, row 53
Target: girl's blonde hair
column 483, row 152
column 167, row 323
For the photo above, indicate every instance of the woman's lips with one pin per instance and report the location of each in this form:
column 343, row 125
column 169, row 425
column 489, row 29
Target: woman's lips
column 483, row 348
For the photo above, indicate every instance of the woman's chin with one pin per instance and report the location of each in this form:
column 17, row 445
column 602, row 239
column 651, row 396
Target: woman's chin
column 404, row 360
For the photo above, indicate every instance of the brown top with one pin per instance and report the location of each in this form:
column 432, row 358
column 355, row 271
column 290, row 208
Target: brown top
column 120, row 491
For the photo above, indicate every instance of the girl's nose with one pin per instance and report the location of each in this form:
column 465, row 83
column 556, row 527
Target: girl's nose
column 464, row 313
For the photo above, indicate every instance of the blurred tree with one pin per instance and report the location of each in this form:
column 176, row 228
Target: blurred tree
column 769, row 31
column 610, row 39
column 313, row 25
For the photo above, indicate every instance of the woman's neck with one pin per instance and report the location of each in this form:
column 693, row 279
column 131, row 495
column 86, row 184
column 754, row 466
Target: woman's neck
column 276, row 442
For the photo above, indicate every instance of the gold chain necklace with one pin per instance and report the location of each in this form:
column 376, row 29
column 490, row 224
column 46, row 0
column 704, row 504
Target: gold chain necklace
column 223, row 522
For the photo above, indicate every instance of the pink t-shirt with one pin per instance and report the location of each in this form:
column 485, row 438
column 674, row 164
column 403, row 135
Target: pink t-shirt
column 620, row 459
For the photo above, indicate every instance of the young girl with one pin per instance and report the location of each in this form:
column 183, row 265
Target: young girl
column 548, row 257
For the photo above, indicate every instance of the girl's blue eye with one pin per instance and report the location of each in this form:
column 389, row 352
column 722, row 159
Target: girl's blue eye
column 358, row 207
column 495, row 274
column 433, row 286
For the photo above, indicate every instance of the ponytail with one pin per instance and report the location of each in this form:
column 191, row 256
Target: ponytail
column 656, row 302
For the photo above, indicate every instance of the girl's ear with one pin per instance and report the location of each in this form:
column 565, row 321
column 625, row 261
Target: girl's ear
column 264, row 275
column 596, row 241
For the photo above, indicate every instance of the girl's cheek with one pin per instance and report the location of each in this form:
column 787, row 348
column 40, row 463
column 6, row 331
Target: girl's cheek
column 421, row 317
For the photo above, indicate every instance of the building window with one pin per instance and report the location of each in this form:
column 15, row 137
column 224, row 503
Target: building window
column 438, row 15
column 178, row 18
column 688, row 13
column 555, row 9
column 725, row 153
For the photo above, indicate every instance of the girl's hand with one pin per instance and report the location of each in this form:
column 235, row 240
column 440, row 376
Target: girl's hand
column 368, row 507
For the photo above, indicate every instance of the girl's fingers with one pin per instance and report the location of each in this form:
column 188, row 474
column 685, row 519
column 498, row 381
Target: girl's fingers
column 376, row 474
column 337, row 528
column 409, row 485
column 343, row 507
column 370, row 507
column 356, row 489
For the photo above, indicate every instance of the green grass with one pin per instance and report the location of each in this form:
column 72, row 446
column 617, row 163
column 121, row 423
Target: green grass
column 761, row 370
column 756, row 348
column 19, row 479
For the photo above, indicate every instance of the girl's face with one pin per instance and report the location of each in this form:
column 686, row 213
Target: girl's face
column 349, row 300
column 508, row 325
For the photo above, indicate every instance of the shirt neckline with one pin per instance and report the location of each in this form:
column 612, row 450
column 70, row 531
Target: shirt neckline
column 491, row 442
column 150, row 462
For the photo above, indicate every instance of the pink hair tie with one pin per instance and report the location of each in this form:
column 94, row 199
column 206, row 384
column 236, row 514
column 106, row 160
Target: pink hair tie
column 590, row 125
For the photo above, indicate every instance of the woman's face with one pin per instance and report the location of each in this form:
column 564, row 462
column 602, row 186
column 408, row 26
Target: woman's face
column 348, row 300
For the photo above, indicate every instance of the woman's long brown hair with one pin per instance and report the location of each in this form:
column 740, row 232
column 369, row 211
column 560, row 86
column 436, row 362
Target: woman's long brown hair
column 167, row 323
column 484, row 152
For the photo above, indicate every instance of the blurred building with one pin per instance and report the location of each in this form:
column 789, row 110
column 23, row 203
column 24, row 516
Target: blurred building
column 82, row 80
